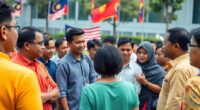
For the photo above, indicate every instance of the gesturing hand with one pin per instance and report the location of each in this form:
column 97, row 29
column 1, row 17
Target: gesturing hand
column 141, row 78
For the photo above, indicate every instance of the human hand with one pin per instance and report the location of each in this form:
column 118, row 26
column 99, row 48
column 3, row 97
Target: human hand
column 141, row 78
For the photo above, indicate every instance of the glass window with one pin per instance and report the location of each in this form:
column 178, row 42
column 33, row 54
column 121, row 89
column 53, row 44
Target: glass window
column 34, row 11
column 155, row 17
column 196, row 12
column 84, row 9
column 42, row 10
column 72, row 9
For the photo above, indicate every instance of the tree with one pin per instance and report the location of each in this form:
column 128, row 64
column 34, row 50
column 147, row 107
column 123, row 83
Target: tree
column 43, row 7
column 169, row 6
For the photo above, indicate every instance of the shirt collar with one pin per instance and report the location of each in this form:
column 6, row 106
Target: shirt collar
column 74, row 60
column 24, row 59
column 179, row 59
column 43, row 61
column 129, row 65
column 4, row 56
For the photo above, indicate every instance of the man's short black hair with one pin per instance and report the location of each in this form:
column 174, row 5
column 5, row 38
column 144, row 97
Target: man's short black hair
column 27, row 34
column 92, row 43
column 159, row 44
column 47, row 37
column 108, row 61
column 59, row 42
column 196, row 35
column 133, row 43
column 110, row 39
column 180, row 36
column 71, row 32
column 5, row 12
column 124, row 40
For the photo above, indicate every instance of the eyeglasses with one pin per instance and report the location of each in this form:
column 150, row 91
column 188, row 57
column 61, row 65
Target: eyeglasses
column 39, row 43
column 191, row 45
column 17, row 27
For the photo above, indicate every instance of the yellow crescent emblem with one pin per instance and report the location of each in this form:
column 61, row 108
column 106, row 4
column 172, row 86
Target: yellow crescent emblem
column 102, row 8
column 56, row 6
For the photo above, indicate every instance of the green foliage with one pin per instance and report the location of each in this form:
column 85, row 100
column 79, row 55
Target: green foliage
column 11, row 2
column 158, row 5
column 137, row 39
column 42, row 7
column 58, row 36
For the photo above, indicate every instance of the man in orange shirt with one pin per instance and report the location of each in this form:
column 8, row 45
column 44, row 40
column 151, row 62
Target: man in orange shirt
column 30, row 44
column 19, row 87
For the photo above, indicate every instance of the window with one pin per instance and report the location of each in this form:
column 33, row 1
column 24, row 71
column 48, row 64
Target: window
column 84, row 9
column 155, row 17
column 196, row 12
column 42, row 10
column 72, row 10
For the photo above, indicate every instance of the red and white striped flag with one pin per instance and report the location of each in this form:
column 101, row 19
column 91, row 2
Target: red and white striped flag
column 92, row 33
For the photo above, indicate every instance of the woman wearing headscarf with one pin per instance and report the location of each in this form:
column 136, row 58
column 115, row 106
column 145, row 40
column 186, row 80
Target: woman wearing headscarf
column 152, row 76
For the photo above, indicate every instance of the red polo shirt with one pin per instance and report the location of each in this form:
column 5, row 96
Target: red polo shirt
column 44, row 79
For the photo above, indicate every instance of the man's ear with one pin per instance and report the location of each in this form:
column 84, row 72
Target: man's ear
column 177, row 46
column 3, row 33
column 26, row 45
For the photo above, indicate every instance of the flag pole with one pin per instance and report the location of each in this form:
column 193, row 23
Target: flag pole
column 47, row 17
column 68, row 10
column 142, row 27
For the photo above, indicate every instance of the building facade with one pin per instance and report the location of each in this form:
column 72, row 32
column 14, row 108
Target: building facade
column 188, row 17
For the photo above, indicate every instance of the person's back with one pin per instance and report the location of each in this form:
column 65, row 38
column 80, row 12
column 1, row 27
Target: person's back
column 119, row 95
column 18, row 87
column 109, row 93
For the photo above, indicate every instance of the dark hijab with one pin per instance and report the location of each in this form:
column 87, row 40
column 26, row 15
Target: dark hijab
column 153, row 73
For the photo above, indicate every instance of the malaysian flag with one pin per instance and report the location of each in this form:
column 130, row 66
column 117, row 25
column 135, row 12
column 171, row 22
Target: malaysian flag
column 141, row 12
column 57, row 9
column 17, row 8
column 90, row 33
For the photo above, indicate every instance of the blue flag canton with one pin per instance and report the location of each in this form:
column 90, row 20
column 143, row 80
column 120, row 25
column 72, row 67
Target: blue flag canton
column 57, row 6
column 17, row 5
column 141, row 11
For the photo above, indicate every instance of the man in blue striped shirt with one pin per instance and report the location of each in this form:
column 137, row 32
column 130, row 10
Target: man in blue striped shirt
column 74, row 71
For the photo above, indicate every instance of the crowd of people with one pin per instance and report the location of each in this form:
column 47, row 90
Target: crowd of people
column 41, row 73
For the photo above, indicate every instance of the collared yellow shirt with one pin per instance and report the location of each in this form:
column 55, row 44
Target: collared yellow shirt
column 191, row 96
column 19, row 88
column 170, row 97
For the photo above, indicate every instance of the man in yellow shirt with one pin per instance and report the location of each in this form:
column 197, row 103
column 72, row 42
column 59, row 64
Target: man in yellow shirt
column 19, row 88
column 176, row 48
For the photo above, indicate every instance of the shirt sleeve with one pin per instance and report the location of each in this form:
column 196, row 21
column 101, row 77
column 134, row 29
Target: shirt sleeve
column 85, row 101
column 28, row 93
column 176, row 89
column 135, row 96
column 50, row 80
column 92, row 74
column 136, row 83
column 191, row 96
column 62, row 79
